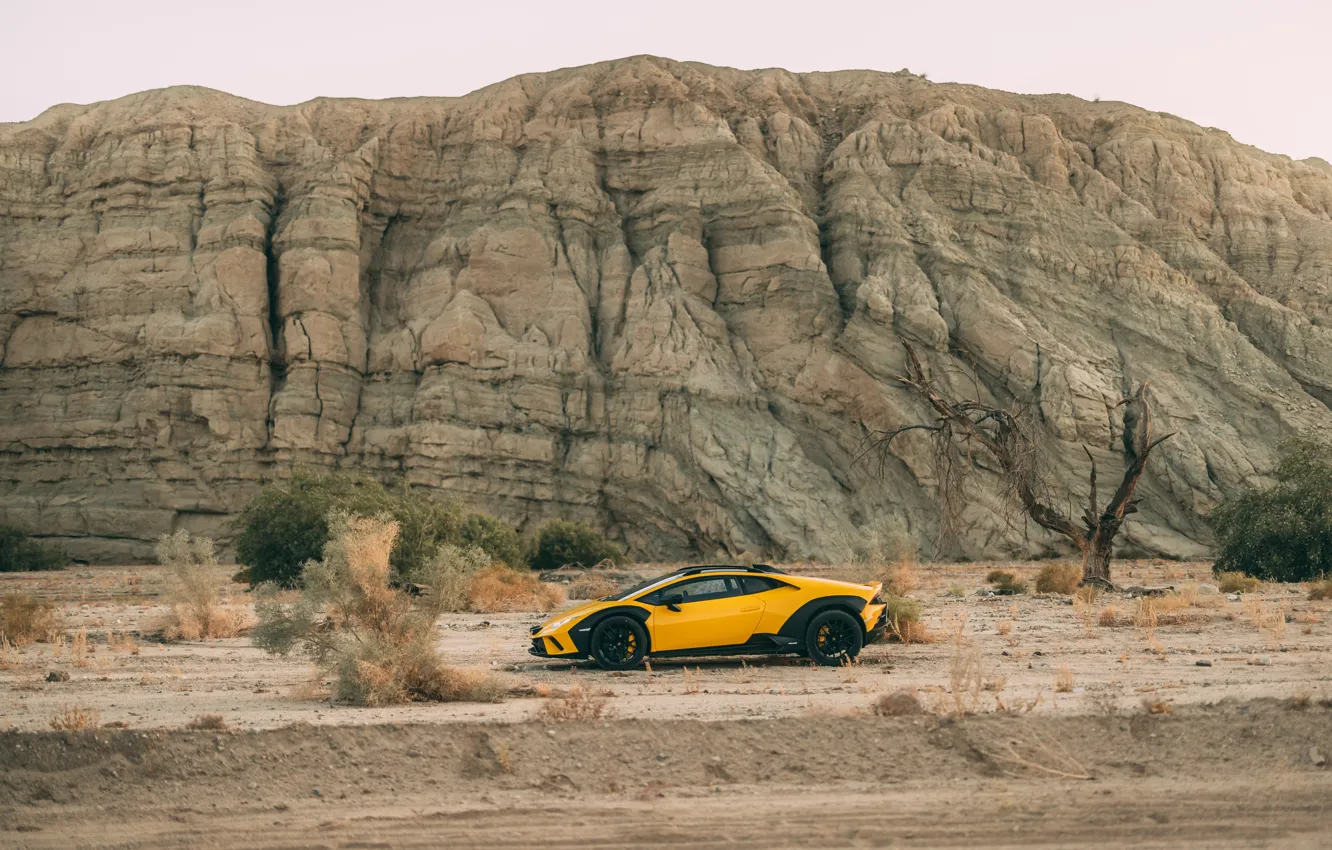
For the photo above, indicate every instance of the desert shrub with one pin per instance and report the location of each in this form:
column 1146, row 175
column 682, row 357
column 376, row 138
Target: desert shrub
column 578, row 704
column 898, row 704
column 499, row 589
column 1234, row 581
column 19, row 553
column 1059, row 578
column 887, row 541
column 376, row 639
column 1321, row 591
column 559, row 543
column 904, row 622
column 592, row 586
column 1005, row 583
column 898, row 579
column 286, row 524
column 494, row 537
column 197, row 609
column 1283, row 533
column 208, row 722
column 452, row 572
column 25, row 620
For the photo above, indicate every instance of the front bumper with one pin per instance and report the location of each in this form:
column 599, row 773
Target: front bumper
column 550, row 647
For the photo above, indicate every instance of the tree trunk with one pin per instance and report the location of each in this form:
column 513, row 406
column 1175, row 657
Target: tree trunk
column 1096, row 560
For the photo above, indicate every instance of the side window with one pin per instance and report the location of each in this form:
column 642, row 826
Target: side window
column 702, row 588
column 695, row 590
column 755, row 584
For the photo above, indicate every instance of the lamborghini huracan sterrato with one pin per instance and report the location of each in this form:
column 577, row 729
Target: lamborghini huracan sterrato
column 718, row 610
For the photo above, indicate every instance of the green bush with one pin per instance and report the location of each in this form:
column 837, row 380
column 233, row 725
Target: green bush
column 495, row 537
column 559, row 543
column 1006, row 583
column 1283, row 533
column 286, row 524
column 19, row 553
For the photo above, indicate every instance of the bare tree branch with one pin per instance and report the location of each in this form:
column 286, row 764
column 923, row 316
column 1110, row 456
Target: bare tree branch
column 1011, row 439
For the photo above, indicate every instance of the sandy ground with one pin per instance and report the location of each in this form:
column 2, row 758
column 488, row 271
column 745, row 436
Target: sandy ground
column 1232, row 759
column 146, row 683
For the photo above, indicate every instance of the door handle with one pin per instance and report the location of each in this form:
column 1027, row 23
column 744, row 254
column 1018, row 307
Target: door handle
column 750, row 610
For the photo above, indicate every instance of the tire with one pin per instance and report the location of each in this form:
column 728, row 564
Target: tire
column 833, row 638
column 618, row 643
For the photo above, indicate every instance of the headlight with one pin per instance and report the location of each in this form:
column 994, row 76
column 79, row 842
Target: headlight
column 558, row 623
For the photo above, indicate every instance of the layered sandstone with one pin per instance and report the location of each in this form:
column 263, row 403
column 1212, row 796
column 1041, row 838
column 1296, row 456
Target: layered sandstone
column 663, row 297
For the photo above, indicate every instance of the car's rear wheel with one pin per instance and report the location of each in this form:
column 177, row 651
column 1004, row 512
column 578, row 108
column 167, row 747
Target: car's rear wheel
column 618, row 643
column 834, row 637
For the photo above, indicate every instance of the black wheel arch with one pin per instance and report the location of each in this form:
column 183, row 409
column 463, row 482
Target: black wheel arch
column 581, row 632
column 796, row 625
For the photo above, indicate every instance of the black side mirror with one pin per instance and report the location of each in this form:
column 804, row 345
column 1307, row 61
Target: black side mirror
column 672, row 602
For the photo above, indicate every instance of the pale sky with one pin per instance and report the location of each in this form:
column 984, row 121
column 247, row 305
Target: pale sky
column 1259, row 70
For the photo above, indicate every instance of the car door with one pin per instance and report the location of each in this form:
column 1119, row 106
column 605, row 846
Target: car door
column 714, row 612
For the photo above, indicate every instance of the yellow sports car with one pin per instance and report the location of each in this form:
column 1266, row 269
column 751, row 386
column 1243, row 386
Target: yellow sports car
column 718, row 610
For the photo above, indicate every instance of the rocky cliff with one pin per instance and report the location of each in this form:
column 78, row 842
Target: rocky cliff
column 662, row 297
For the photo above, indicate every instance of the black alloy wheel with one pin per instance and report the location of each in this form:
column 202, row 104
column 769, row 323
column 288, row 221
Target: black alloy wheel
column 833, row 638
column 618, row 643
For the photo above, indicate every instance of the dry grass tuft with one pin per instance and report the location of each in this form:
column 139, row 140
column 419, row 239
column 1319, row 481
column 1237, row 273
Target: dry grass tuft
column 965, row 679
column 1087, row 593
column 578, row 704
column 74, row 719
column 78, row 647
column 1145, row 618
column 208, row 722
column 592, row 586
column 1320, row 591
column 500, row 589
column 1038, row 755
column 1268, row 619
column 904, row 623
column 1059, row 578
column 1236, row 582
column 1063, row 680
column 1109, row 616
column 9, row 654
column 25, row 620
column 1085, row 610
column 121, row 642
column 1177, row 600
column 197, row 609
column 691, row 685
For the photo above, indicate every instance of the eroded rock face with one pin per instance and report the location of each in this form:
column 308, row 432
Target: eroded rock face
column 662, row 297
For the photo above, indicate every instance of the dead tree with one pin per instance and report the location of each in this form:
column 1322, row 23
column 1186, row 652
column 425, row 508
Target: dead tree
column 1012, row 442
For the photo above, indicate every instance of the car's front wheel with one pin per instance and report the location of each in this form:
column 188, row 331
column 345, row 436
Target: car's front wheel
column 834, row 637
column 618, row 643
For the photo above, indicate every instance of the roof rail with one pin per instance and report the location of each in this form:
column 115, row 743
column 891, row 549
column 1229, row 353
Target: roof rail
column 749, row 568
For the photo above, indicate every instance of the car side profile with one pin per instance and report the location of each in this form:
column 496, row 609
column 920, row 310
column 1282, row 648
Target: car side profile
column 718, row 610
